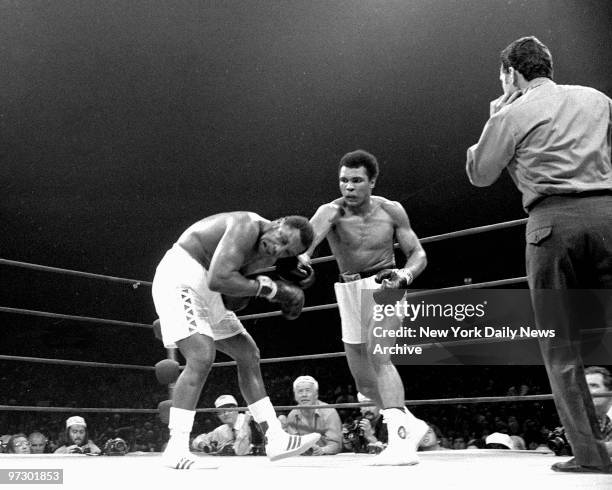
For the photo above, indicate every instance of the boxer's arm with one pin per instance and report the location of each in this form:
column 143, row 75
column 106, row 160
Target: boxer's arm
column 494, row 151
column 322, row 222
column 416, row 259
column 229, row 257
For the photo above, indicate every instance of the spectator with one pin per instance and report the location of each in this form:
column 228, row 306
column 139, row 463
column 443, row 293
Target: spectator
column 18, row 444
column 231, row 438
column 497, row 440
column 369, row 434
column 77, row 438
column 4, row 439
column 599, row 380
column 38, row 443
column 323, row 421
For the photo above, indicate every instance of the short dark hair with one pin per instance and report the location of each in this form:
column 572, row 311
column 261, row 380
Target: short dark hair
column 605, row 374
column 302, row 224
column 529, row 56
column 360, row 158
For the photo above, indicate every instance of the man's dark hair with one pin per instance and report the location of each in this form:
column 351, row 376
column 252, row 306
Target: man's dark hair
column 302, row 224
column 360, row 158
column 605, row 374
column 529, row 56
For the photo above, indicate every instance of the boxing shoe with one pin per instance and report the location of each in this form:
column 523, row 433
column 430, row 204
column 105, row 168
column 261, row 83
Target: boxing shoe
column 186, row 461
column 282, row 445
column 405, row 434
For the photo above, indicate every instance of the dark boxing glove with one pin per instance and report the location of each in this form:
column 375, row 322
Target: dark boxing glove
column 290, row 297
column 394, row 278
column 393, row 282
column 296, row 271
column 235, row 303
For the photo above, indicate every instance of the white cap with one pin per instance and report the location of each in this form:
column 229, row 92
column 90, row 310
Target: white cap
column 225, row 400
column 362, row 398
column 499, row 438
column 76, row 420
column 306, row 379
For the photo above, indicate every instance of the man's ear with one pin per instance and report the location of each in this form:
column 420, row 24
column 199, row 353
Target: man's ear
column 372, row 183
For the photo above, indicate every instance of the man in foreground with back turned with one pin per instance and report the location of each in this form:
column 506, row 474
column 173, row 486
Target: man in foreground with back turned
column 555, row 142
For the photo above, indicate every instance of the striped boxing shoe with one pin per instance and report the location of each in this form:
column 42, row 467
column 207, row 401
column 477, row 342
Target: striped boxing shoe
column 282, row 445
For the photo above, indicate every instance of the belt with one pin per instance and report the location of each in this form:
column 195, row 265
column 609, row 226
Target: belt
column 574, row 195
column 356, row 276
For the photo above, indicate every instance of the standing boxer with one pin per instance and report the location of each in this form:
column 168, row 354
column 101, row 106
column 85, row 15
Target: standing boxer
column 361, row 229
column 555, row 142
column 195, row 284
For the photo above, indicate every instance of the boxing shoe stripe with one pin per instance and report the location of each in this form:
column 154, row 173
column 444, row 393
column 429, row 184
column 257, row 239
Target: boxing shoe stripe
column 184, row 464
column 294, row 442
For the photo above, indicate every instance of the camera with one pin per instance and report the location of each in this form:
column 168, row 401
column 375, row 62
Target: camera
column 354, row 439
column 558, row 443
column 116, row 447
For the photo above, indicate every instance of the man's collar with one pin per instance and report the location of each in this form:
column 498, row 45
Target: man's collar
column 536, row 82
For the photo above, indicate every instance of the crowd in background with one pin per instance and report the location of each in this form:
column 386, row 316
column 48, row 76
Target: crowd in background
column 457, row 426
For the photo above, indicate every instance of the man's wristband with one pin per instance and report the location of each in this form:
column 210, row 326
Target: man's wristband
column 267, row 287
column 406, row 274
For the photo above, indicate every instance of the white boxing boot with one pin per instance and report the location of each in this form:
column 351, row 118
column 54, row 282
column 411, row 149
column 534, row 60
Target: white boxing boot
column 282, row 445
column 279, row 444
column 405, row 433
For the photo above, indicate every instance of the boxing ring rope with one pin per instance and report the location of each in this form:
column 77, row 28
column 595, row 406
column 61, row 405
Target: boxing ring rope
column 45, row 268
column 136, row 283
column 429, row 401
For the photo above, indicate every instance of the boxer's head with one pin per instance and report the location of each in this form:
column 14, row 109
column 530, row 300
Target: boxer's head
column 305, row 390
column 527, row 56
column 286, row 237
column 76, row 431
column 357, row 174
column 599, row 380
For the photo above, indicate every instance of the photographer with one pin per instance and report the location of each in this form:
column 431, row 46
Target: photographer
column 233, row 437
column 77, row 438
column 369, row 434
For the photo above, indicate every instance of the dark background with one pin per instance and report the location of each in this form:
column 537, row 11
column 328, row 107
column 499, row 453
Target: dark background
column 124, row 122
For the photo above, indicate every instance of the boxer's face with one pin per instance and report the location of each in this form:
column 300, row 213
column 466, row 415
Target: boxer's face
column 281, row 240
column 596, row 384
column 355, row 186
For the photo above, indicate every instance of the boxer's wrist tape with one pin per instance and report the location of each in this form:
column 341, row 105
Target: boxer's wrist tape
column 267, row 287
column 406, row 274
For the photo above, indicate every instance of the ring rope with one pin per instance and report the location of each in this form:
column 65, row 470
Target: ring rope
column 21, row 311
column 433, row 401
column 136, row 283
column 329, row 306
column 67, row 362
column 421, row 292
column 45, row 268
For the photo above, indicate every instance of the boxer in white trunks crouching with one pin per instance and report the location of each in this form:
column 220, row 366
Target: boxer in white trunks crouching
column 197, row 284
column 361, row 229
